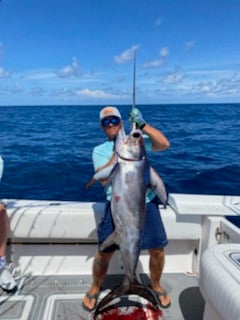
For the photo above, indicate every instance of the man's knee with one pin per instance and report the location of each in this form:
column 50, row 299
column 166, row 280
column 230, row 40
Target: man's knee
column 104, row 256
column 157, row 252
column 3, row 216
column 2, row 208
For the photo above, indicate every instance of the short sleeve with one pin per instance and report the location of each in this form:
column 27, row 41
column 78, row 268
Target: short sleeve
column 102, row 154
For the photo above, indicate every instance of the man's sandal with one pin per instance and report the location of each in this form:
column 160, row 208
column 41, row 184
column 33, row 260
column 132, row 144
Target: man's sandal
column 90, row 298
column 161, row 294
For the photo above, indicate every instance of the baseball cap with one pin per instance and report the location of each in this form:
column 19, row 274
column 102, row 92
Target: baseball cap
column 108, row 112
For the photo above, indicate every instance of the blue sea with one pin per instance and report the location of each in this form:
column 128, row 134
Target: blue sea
column 47, row 149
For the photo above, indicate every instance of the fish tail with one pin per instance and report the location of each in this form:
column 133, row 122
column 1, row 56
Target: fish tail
column 126, row 288
column 144, row 292
column 102, row 306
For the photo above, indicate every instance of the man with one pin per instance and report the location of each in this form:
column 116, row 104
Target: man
column 154, row 238
column 7, row 283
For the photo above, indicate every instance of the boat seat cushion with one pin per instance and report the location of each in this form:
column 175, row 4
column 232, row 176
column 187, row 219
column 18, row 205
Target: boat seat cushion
column 65, row 221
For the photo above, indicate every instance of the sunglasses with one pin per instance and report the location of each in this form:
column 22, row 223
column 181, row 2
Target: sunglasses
column 110, row 120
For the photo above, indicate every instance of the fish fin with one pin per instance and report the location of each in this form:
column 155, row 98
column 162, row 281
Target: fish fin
column 101, row 174
column 111, row 175
column 90, row 183
column 133, row 288
column 112, row 239
column 157, row 186
column 104, row 173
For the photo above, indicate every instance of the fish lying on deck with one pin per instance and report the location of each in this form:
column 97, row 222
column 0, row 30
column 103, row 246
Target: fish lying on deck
column 129, row 177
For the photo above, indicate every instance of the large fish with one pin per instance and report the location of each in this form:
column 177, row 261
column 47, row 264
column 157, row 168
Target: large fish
column 129, row 178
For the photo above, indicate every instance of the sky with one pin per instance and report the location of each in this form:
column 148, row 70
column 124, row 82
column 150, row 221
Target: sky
column 80, row 52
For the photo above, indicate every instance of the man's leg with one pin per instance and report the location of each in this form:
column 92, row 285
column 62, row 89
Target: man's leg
column 7, row 282
column 4, row 227
column 100, row 267
column 156, row 264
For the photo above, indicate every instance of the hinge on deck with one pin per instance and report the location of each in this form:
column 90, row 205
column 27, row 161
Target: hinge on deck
column 220, row 235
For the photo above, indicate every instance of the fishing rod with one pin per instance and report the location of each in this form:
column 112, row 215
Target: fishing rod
column 134, row 80
column 134, row 87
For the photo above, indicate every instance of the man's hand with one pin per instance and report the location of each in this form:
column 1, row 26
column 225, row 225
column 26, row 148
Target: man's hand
column 136, row 116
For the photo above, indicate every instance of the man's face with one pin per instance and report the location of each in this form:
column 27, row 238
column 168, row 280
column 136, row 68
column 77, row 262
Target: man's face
column 111, row 125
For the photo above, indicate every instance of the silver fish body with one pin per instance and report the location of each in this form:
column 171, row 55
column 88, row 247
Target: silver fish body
column 128, row 200
column 130, row 177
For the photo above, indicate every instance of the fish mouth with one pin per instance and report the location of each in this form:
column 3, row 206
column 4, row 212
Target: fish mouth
column 136, row 134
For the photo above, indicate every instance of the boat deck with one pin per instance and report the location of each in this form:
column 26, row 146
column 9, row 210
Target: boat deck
column 59, row 297
column 51, row 242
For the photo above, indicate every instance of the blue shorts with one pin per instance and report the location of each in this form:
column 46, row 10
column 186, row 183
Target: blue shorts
column 154, row 234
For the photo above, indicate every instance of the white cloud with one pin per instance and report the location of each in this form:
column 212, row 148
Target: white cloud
column 154, row 63
column 217, row 88
column 4, row 73
column 62, row 92
column 10, row 90
column 173, row 77
column 39, row 75
column 126, row 55
column 164, row 52
column 99, row 94
column 222, row 87
column 72, row 70
column 37, row 91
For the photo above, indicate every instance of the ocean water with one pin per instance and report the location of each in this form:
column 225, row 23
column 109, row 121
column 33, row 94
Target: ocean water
column 47, row 150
